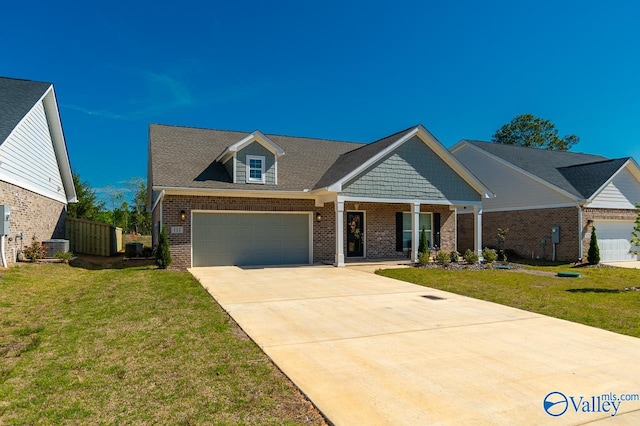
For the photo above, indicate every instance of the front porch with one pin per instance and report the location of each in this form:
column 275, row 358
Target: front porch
column 369, row 231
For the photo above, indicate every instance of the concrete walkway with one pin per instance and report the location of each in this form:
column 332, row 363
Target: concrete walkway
column 632, row 264
column 372, row 350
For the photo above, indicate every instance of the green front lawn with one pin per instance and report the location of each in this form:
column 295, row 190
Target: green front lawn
column 131, row 346
column 597, row 299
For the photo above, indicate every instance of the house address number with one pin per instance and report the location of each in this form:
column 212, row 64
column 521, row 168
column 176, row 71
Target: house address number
column 177, row 230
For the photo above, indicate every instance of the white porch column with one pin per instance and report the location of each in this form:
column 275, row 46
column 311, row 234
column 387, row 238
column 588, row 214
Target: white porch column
column 415, row 231
column 477, row 230
column 339, row 261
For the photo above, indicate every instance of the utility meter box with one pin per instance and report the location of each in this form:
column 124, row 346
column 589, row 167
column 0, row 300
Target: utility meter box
column 4, row 219
column 555, row 235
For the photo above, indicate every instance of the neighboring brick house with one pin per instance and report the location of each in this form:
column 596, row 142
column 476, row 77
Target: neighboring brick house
column 238, row 198
column 539, row 190
column 35, row 176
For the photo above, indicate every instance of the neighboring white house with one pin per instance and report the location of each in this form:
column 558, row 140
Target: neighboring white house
column 540, row 190
column 35, row 174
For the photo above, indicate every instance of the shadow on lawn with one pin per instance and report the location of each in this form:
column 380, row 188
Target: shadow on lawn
column 594, row 290
column 116, row 261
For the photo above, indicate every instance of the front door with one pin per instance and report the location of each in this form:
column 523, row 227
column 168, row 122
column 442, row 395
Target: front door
column 355, row 234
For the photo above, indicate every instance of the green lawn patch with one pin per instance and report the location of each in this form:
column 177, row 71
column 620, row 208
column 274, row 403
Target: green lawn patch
column 131, row 346
column 601, row 297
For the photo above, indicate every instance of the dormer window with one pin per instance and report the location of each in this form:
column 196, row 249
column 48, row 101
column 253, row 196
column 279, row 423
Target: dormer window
column 255, row 169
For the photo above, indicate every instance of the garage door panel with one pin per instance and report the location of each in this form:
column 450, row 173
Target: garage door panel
column 250, row 238
column 614, row 240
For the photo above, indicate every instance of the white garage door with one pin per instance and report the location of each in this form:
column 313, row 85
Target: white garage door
column 242, row 238
column 614, row 240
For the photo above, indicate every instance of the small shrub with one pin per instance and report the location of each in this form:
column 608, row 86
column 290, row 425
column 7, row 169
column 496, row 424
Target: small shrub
column 424, row 258
column 455, row 257
column 36, row 250
column 63, row 255
column 163, row 255
column 470, row 257
column 489, row 255
column 443, row 258
column 593, row 255
column 510, row 254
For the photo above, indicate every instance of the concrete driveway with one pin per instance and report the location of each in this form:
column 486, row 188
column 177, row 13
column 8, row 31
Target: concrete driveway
column 372, row 350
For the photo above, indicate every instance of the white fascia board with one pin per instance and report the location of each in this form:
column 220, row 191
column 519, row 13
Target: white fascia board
column 256, row 136
column 522, row 171
column 408, row 201
column 5, row 177
column 234, row 192
column 52, row 114
column 608, row 181
column 158, row 200
column 454, row 163
column 633, row 168
column 435, row 146
column 337, row 186
column 59, row 145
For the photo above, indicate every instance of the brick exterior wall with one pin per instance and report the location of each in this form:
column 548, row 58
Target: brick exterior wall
column 528, row 227
column 380, row 227
column 602, row 214
column 31, row 214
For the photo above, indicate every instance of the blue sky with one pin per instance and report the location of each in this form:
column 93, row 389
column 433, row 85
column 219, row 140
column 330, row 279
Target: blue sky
column 354, row 71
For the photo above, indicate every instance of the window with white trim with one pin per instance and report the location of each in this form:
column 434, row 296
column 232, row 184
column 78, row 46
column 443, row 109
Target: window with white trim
column 424, row 220
column 255, row 169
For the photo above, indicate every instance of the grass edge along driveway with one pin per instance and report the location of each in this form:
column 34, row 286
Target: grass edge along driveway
column 135, row 346
column 599, row 298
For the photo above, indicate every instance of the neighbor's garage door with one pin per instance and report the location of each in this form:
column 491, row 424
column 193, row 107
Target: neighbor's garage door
column 614, row 240
column 250, row 238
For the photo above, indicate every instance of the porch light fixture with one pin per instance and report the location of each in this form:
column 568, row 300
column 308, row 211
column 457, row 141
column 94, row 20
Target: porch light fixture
column 183, row 215
column 318, row 217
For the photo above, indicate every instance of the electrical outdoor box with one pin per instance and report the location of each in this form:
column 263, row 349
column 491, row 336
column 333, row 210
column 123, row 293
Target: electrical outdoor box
column 4, row 220
column 555, row 235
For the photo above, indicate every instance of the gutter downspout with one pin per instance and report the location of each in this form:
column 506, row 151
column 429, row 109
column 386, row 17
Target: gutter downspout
column 581, row 205
column 4, row 257
column 158, row 201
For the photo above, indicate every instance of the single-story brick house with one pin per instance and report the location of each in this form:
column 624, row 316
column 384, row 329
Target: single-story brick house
column 246, row 198
column 539, row 190
column 35, row 174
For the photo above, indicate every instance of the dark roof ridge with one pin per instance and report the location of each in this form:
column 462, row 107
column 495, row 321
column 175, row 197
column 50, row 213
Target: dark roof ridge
column 249, row 132
column 529, row 147
column 26, row 80
column 608, row 160
column 364, row 145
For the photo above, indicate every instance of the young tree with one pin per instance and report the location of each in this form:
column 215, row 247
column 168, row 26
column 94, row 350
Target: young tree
column 593, row 255
column 88, row 207
column 422, row 245
column 163, row 254
column 529, row 130
column 635, row 235
column 140, row 220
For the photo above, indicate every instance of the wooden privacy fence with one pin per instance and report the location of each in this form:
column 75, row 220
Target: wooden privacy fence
column 95, row 238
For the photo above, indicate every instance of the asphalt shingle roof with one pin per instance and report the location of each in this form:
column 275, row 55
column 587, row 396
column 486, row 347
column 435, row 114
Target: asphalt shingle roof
column 577, row 173
column 184, row 157
column 17, row 97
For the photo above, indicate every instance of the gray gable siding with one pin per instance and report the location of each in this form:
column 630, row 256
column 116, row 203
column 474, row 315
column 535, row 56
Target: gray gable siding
column 255, row 148
column 411, row 171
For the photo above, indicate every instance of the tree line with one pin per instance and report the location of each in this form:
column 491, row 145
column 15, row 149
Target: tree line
column 129, row 214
